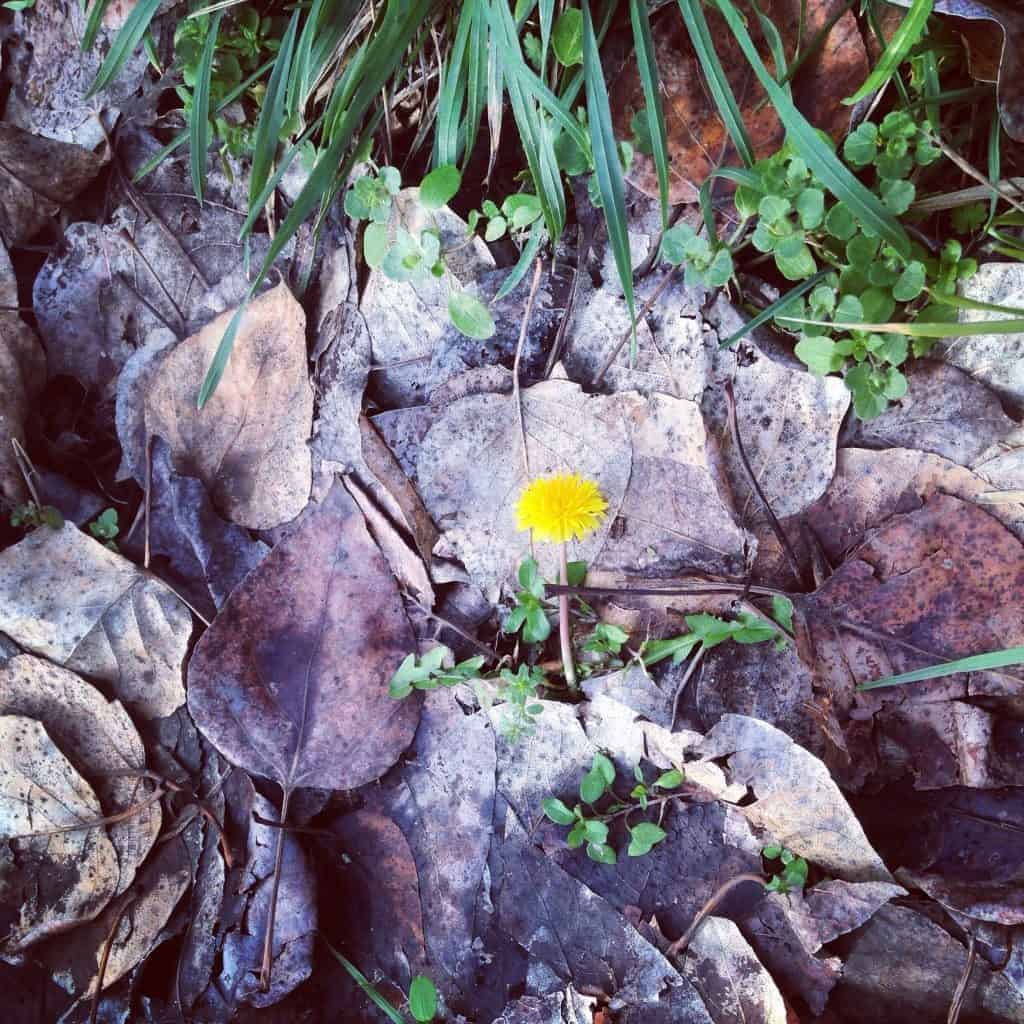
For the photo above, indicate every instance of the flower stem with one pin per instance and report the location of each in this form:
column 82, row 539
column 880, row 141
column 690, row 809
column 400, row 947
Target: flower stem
column 564, row 630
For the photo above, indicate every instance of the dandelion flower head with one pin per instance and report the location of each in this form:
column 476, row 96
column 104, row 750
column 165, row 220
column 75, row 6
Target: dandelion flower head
column 560, row 507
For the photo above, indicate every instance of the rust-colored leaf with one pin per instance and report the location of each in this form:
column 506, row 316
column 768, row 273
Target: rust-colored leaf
column 291, row 681
column 697, row 139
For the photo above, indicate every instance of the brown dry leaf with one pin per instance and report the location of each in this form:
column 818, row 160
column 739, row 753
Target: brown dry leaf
column 651, row 459
column 68, row 598
column 51, row 882
column 248, row 443
column 830, row 909
column 697, row 139
column 868, row 487
column 39, row 175
column 22, row 376
column 291, row 681
column 797, row 802
column 903, row 967
column 947, row 580
column 729, row 977
column 99, row 740
column 999, row 900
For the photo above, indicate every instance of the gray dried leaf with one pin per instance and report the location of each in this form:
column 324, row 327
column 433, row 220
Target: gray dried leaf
column 50, row 882
column 248, row 443
column 99, row 740
column 797, row 802
column 68, row 598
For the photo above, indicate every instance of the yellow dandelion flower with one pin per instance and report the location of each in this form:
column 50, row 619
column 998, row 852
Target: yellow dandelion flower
column 560, row 507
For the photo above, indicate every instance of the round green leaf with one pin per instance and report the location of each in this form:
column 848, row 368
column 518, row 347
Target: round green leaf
column 471, row 316
column 910, row 283
column 375, row 244
column 422, row 999
column 567, row 37
column 557, row 811
column 439, row 186
column 603, row 854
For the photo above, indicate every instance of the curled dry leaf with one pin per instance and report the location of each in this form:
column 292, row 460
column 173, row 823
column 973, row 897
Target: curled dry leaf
column 50, row 882
column 797, row 803
column 99, row 740
column 291, row 681
column 22, row 376
column 697, row 140
column 65, row 596
column 39, row 176
column 248, row 443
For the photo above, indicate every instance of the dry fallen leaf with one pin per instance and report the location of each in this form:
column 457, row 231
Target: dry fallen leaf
column 50, row 882
column 68, row 598
column 797, row 801
column 39, row 175
column 697, row 139
column 291, row 681
column 248, row 443
column 99, row 740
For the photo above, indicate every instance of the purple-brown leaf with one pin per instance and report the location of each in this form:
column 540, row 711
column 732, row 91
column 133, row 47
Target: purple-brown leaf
column 291, row 681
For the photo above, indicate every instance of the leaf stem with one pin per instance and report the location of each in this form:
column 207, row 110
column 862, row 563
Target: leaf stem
column 268, row 939
column 564, row 630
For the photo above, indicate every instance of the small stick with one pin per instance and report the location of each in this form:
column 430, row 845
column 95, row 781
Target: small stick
column 687, row 676
column 123, row 279
column 679, row 946
column 430, row 613
column 268, row 940
column 110, row 819
column 677, row 590
column 734, row 428
column 516, row 396
column 21, row 457
column 147, row 503
column 108, row 945
column 564, row 629
column 961, row 989
column 972, row 172
column 130, row 242
column 644, row 310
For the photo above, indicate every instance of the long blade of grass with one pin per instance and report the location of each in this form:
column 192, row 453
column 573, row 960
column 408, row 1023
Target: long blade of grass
column 607, row 167
column 865, row 206
column 272, row 114
column 975, row 663
column 718, row 83
column 962, row 302
column 910, row 31
column 453, row 91
column 302, row 64
column 182, row 137
column 647, row 65
column 92, row 25
column 518, row 272
column 124, row 44
column 922, row 328
column 476, row 81
column 547, row 19
column 366, row 985
column 199, row 114
column 383, row 53
column 770, row 312
column 994, row 160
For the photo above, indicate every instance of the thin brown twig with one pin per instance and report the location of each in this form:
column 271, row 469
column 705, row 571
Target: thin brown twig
column 148, row 502
column 734, row 429
column 961, row 989
column 109, row 819
column 675, row 590
column 130, row 242
column 267, row 964
column 26, row 468
column 644, row 310
column 122, row 279
column 108, row 945
column 972, row 172
column 679, row 946
column 687, row 676
column 472, row 640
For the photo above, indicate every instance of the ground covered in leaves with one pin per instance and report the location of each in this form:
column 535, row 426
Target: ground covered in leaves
column 181, row 677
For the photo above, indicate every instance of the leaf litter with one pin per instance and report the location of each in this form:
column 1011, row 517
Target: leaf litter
column 204, row 708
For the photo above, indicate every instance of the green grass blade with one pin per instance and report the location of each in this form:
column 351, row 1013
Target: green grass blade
column 182, row 137
column 547, row 19
column 907, row 35
column 931, row 86
column 92, row 25
column 476, row 81
column 517, row 273
column 643, row 42
column 718, row 84
column 962, row 302
column 199, row 115
column 976, row 663
column 994, row 160
column 866, row 207
column 922, row 328
column 124, row 44
column 453, row 91
column 302, row 63
column 606, row 163
column 272, row 114
column 366, row 985
column 770, row 312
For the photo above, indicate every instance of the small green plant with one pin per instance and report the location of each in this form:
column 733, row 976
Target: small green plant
column 516, row 691
column 104, row 527
column 794, row 870
column 589, row 826
column 422, row 999
column 708, row 264
column 602, row 649
column 710, row 631
column 529, row 615
column 31, row 516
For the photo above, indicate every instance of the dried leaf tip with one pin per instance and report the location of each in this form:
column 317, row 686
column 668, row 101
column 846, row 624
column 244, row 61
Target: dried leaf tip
column 560, row 507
